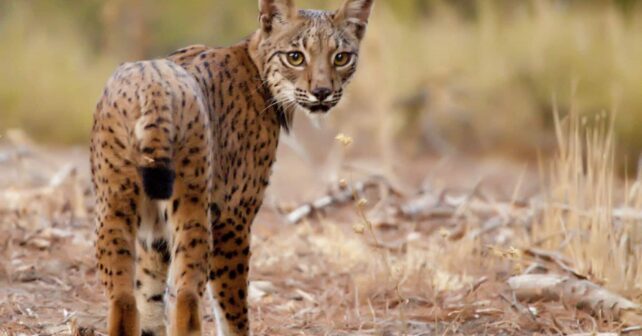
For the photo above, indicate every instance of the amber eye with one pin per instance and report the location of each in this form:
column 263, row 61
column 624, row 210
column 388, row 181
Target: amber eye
column 342, row 59
column 295, row 58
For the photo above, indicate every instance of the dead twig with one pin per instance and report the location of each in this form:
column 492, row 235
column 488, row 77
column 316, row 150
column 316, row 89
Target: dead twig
column 555, row 258
column 340, row 196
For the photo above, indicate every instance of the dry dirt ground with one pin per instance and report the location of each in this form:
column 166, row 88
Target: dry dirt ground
column 428, row 253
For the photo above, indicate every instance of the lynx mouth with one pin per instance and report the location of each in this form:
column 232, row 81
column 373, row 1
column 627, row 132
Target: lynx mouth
column 317, row 108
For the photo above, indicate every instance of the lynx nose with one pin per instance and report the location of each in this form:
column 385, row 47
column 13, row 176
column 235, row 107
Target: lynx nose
column 321, row 93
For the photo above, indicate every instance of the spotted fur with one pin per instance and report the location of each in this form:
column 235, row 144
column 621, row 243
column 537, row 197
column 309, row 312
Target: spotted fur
column 181, row 154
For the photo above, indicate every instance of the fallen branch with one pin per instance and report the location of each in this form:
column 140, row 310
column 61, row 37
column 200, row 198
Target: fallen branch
column 582, row 294
column 449, row 204
column 422, row 205
column 340, row 196
column 555, row 258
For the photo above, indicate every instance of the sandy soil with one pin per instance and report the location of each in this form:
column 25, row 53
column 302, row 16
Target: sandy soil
column 369, row 269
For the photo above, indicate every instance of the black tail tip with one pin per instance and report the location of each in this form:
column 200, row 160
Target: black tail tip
column 158, row 182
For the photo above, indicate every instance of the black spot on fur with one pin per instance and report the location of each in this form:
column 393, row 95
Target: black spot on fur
column 160, row 246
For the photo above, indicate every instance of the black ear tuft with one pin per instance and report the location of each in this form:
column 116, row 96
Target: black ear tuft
column 158, row 182
column 275, row 13
column 355, row 13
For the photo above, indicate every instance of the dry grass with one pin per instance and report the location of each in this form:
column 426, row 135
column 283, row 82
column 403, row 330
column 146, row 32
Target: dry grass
column 433, row 258
column 592, row 216
column 441, row 82
column 406, row 262
column 50, row 78
column 489, row 81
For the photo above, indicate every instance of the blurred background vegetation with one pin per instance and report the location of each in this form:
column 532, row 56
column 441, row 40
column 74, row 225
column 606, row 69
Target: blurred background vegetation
column 436, row 76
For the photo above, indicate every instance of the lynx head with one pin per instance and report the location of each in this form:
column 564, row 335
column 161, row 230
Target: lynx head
column 306, row 57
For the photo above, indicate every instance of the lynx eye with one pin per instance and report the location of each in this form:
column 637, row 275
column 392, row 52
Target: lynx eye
column 342, row 59
column 295, row 58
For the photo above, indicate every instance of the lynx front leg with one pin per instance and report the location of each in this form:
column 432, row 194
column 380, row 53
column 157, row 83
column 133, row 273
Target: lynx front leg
column 229, row 267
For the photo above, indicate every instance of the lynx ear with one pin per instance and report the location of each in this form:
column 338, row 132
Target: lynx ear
column 274, row 13
column 355, row 13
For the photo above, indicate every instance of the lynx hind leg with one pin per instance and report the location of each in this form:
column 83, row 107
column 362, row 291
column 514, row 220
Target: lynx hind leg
column 115, row 251
column 115, row 259
column 115, row 180
column 188, row 220
column 152, row 262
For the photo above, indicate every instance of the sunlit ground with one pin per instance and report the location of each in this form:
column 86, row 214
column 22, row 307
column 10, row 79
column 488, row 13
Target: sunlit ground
column 487, row 183
column 448, row 246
